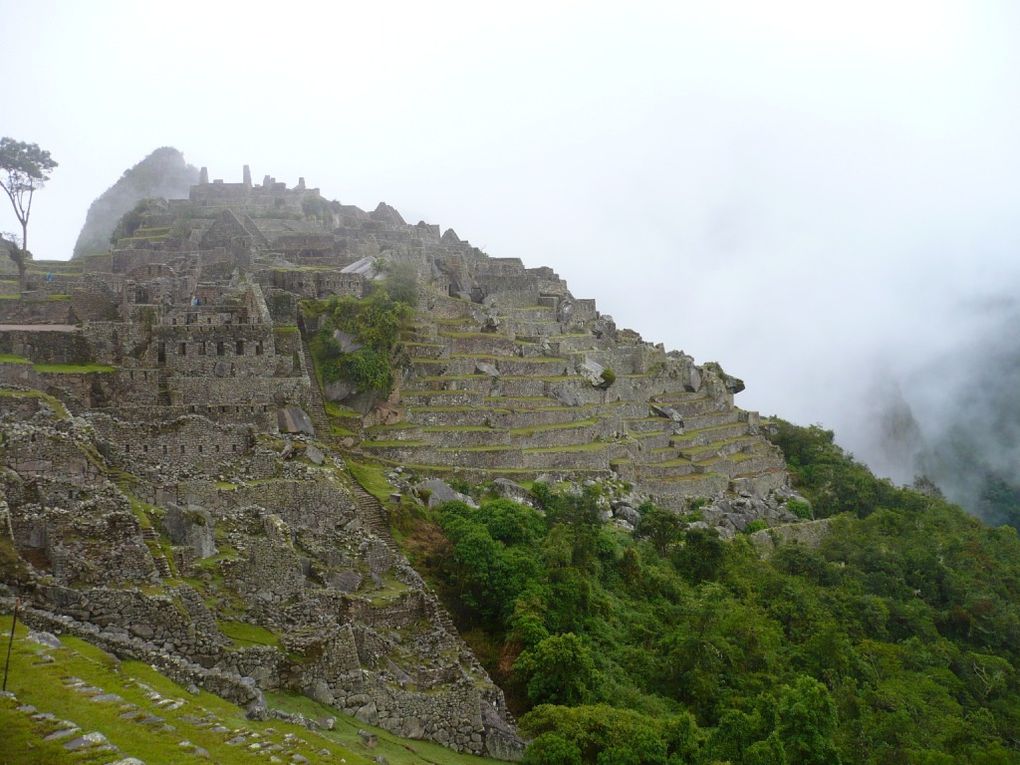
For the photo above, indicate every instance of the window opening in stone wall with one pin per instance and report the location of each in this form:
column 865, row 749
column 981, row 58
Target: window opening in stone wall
column 161, row 358
column 201, row 348
column 220, row 350
column 240, row 348
column 183, row 349
column 258, row 349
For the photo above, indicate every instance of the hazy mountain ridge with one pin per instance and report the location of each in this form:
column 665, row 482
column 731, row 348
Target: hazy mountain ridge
column 163, row 173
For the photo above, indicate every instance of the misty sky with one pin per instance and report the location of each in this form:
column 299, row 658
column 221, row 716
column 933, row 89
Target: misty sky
column 811, row 193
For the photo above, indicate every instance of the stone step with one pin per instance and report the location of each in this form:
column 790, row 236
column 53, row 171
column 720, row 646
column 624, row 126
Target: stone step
column 479, row 342
column 691, row 404
column 719, row 448
column 433, row 350
column 441, row 397
column 704, row 436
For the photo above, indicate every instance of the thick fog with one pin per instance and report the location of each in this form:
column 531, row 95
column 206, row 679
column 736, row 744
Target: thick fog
column 821, row 196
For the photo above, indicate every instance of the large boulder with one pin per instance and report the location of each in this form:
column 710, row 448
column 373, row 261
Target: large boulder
column 592, row 372
column 191, row 527
column 294, row 419
column 440, row 492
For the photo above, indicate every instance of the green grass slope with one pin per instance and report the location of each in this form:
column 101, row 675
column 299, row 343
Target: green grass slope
column 147, row 716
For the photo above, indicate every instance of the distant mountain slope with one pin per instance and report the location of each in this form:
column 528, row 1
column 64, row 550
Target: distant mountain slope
column 164, row 173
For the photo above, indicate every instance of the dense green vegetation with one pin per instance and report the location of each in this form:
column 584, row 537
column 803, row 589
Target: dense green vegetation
column 373, row 323
column 895, row 641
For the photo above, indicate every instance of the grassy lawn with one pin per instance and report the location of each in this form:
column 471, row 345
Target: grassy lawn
column 372, row 479
column 244, row 634
column 54, row 404
column 44, row 685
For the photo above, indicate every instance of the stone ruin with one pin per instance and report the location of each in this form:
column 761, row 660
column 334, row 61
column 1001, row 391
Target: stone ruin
column 170, row 468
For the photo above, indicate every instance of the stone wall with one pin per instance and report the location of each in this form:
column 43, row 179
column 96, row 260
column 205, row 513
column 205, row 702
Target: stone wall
column 39, row 310
column 47, row 346
column 191, row 440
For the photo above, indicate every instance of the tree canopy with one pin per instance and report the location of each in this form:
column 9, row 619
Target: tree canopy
column 895, row 639
column 24, row 168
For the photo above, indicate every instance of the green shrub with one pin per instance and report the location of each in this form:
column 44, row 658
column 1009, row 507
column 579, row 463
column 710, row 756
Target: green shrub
column 799, row 507
column 608, row 377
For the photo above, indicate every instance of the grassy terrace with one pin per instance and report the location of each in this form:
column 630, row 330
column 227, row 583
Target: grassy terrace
column 691, row 477
column 372, row 479
column 244, row 634
column 76, row 369
column 392, row 444
column 592, row 446
column 456, row 470
column 460, row 429
column 452, row 410
column 489, row 335
column 449, row 378
column 455, row 449
column 533, row 429
column 433, row 392
column 494, row 357
column 716, row 445
column 54, row 404
column 416, row 344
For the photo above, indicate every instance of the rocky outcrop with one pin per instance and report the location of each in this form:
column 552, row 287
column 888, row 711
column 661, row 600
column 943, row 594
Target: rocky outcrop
column 164, row 173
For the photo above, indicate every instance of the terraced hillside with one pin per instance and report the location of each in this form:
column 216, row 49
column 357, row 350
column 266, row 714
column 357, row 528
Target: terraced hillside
column 521, row 386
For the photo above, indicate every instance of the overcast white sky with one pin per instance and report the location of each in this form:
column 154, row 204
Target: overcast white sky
column 804, row 191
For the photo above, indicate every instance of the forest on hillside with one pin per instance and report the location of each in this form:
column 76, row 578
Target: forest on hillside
column 894, row 640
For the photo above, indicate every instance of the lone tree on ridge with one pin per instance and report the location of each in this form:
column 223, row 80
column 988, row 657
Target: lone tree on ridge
column 25, row 167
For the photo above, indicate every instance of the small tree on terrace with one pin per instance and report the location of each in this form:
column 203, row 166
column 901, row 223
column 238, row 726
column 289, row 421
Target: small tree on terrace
column 24, row 167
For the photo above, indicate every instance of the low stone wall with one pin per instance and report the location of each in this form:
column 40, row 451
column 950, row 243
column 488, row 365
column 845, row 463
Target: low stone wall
column 49, row 346
column 37, row 311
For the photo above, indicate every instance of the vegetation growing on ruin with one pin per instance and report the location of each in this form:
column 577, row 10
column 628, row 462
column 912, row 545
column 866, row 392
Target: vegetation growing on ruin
column 373, row 322
column 896, row 640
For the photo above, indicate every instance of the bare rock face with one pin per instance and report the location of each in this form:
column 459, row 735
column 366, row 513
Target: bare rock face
column 164, row 173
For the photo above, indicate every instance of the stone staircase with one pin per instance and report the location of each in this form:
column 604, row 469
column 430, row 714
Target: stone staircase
column 151, row 537
column 316, row 409
column 373, row 515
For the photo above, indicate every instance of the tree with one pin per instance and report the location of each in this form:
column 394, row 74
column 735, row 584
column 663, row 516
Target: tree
column 25, row 167
column 559, row 670
column 661, row 527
